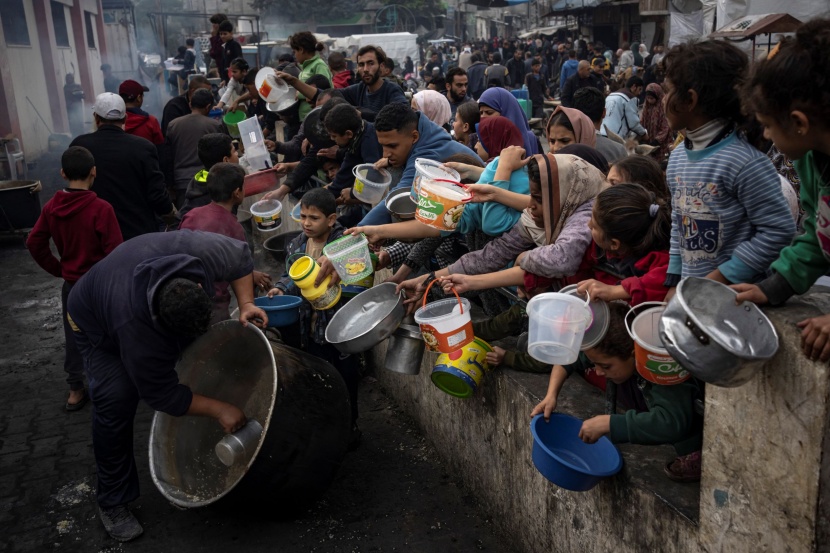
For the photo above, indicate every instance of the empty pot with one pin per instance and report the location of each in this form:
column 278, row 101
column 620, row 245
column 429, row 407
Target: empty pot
column 405, row 350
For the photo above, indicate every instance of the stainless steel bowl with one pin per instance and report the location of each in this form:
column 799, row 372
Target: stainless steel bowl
column 368, row 319
column 400, row 205
column 712, row 337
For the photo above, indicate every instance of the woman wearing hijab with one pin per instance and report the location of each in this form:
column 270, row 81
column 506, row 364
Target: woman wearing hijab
column 435, row 106
column 498, row 101
column 639, row 62
column 553, row 229
column 568, row 126
column 655, row 122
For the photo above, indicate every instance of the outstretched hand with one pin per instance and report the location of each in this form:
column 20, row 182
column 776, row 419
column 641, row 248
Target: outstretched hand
column 749, row 292
column 815, row 338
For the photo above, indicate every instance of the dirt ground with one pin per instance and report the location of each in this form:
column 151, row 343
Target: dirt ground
column 392, row 494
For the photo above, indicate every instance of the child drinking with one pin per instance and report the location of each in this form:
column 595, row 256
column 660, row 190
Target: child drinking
column 787, row 96
column 729, row 217
column 657, row 414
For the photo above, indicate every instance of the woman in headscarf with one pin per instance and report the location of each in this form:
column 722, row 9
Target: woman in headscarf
column 498, row 101
column 638, row 57
column 568, row 126
column 655, row 122
column 550, row 239
column 435, row 106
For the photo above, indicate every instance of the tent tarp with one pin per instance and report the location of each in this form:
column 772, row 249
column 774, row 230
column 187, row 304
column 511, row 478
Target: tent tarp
column 396, row 45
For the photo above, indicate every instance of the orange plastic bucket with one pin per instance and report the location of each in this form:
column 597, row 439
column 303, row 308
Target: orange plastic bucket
column 441, row 203
column 652, row 360
column 445, row 324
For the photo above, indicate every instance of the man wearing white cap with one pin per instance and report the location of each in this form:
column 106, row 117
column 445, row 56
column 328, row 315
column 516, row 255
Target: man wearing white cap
column 128, row 174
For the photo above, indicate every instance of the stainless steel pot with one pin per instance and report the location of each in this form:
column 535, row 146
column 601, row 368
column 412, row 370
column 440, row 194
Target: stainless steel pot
column 712, row 337
column 400, row 205
column 405, row 350
column 301, row 402
column 368, row 319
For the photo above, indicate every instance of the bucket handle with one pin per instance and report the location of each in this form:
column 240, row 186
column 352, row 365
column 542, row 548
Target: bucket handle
column 458, row 184
column 426, row 293
column 633, row 309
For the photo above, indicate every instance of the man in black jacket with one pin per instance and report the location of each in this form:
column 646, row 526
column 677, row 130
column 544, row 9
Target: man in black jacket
column 179, row 106
column 583, row 77
column 128, row 174
column 516, row 69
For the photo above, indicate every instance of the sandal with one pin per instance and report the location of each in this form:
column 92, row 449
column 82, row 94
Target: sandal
column 80, row 405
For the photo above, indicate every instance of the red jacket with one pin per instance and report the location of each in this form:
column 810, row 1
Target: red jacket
column 84, row 229
column 140, row 123
column 342, row 79
column 645, row 284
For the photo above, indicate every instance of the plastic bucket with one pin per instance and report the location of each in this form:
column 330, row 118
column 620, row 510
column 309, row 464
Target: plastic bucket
column 270, row 87
column 266, row 215
column 652, row 360
column 350, row 257
column 295, row 213
column 281, row 310
column 445, row 324
column 304, row 272
column 369, row 183
column 441, row 204
column 232, row 120
column 460, row 373
column 431, row 170
column 566, row 460
column 557, row 326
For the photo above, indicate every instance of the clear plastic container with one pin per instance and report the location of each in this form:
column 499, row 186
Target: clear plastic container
column 251, row 135
column 370, row 184
column 557, row 325
column 350, row 257
column 429, row 169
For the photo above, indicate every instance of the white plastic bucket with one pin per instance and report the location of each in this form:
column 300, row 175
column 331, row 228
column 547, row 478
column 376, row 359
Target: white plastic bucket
column 431, row 170
column 557, row 325
column 251, row 135
column 350, row 257
column 445, row 324
column 370, row 184
column 266, row 215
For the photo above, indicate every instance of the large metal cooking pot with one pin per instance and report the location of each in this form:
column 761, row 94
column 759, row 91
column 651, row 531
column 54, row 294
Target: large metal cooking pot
column 368, row 319
column 712, row 337
column 300, row 400
column 405, row 350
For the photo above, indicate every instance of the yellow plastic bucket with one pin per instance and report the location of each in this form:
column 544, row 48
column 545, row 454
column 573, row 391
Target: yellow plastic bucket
column 461, row 372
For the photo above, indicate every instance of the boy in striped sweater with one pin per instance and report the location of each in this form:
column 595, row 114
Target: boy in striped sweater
column 729, row 216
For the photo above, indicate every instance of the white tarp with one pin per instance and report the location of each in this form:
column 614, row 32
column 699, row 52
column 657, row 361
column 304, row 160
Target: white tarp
column 685, row 27
column 730, row 10
column 396, row 45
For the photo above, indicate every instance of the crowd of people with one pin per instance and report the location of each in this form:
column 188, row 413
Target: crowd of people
column 582, row 209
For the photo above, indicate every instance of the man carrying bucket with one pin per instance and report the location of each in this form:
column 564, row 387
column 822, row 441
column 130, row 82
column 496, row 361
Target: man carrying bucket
column 133, row 314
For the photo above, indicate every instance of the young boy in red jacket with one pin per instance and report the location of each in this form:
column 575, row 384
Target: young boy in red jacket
column 85, row 230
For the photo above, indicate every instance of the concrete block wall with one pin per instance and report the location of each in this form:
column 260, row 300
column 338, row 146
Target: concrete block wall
column 765, row 471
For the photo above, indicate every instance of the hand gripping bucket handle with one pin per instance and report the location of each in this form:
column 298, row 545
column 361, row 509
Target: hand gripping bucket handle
column 426, row 293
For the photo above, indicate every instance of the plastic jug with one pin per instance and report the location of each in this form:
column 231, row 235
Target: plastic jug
column 304, row 272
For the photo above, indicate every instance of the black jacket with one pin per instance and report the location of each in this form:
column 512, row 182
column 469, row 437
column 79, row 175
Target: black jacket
column 128, row 177
column 175, row 108
column 574, row 83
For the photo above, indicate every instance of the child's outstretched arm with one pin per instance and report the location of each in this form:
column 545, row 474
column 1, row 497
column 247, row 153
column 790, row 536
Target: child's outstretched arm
column 558, row 375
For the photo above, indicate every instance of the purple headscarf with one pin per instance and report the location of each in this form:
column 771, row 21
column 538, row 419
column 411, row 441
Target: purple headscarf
column 506, row 104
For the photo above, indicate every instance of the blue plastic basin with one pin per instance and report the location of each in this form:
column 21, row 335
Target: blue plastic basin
column 567, row 461
column 281, row 310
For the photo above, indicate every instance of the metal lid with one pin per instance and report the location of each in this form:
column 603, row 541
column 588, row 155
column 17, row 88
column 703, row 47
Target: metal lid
column 600, row 319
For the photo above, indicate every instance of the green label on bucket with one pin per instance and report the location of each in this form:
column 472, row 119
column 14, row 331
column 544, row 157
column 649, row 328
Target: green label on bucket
column 428, row 209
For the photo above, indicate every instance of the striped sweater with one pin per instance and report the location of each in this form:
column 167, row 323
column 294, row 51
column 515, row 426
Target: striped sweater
column 728, row 211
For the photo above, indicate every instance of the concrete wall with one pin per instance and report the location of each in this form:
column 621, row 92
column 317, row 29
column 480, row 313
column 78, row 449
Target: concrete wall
column 763, row 486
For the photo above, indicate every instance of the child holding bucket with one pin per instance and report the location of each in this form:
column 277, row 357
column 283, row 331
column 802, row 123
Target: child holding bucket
column 784, row 93
column 656, row 414
column 85, row 230
column 318, row 212
column 729, row 216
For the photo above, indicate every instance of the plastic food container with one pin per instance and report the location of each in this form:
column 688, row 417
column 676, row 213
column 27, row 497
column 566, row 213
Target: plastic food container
column 295, row 213
column 266, row 215
column 600, row 318
column 567, row 461
column 370, row 184
column 441, row 204
column 652, row 360
column 304, row 272
column 251, row 136
column 350, row 257
column 259, row 182
column 281, row 310
column 269, row 86
column 431, row 170
column 557, row 326
column 445, row 324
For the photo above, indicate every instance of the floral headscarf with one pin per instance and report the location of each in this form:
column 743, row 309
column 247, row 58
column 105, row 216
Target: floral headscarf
column 654, row 119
